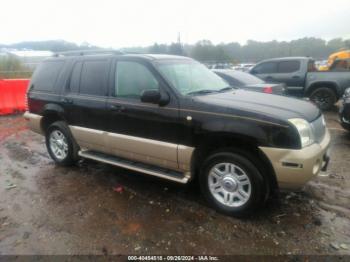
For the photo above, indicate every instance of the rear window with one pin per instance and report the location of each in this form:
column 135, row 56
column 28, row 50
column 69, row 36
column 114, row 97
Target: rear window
column 94, row 77
column 246, row 79
column 45, row 77
column 288, row 66
column 230, row 80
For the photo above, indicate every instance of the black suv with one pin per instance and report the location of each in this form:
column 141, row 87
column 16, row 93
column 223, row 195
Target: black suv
column 171, row 117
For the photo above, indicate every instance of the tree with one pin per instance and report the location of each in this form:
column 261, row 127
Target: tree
column 176, row 49
column 158, row 49
column 11, row 63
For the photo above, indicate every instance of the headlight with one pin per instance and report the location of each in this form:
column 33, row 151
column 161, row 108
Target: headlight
column 305, row 131
column 347, row 92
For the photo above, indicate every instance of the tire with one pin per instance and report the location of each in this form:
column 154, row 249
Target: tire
column 343, row 124
column 244, row 176
column 65, row 150
column 323, row 97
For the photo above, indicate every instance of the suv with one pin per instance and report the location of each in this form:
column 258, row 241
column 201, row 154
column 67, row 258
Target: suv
column 171, row 117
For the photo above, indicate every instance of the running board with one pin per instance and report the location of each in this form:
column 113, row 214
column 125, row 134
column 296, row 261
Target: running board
column 168, row 174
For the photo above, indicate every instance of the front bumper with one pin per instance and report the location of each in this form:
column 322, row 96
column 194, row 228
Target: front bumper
column 293, row 168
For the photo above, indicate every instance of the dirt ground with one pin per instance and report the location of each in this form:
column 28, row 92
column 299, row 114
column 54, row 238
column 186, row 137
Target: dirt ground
column 95, row 208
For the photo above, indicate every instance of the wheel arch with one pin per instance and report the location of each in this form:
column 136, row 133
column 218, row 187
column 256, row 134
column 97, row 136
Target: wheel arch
column 51, row 113
column 328, row 84
column 215, row 142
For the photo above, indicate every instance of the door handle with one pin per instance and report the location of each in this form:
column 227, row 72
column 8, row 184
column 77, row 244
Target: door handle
column 295, row 77
column 117, row 108
column 67, row 101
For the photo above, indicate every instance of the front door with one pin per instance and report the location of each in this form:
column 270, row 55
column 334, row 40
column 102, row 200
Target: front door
column 140, row 131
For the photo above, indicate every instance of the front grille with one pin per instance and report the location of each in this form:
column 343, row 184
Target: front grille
column 319, row 128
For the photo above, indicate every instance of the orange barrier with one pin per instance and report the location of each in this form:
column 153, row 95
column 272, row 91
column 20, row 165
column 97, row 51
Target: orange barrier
column 13, row 95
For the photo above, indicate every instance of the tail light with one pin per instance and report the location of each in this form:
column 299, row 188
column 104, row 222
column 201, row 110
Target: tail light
column 268, row 90
column 26, row 101
column 26, row 97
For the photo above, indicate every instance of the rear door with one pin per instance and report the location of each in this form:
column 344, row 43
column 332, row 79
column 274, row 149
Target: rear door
column 290, row 73
column 85, row 101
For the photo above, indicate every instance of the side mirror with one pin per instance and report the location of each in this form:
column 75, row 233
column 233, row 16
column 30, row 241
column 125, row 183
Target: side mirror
column 151, row 96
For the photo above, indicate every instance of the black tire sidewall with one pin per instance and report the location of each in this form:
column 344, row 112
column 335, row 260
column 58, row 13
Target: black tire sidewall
column 258, row 189
column 343, row 124
column 330, row 92
column 71, row 156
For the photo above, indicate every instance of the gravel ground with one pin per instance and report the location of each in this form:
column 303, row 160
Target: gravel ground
column 95, row 208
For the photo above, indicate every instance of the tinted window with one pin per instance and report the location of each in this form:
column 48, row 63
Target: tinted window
column 94, row 77
column 75, row 78
column 266, row 68
column 132, row 79
column 45, row 77
column 288, row 66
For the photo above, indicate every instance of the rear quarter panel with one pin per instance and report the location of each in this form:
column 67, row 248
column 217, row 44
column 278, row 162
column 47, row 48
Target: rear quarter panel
column 341, row 80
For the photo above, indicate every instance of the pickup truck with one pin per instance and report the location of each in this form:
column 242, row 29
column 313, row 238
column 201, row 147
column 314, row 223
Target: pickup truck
column 302, row 79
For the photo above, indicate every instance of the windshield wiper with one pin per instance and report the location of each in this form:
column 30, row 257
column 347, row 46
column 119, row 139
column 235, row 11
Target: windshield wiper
column 203, row 91
column 228, row 88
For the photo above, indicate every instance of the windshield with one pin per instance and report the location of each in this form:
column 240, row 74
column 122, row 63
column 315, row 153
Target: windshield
column 190, row 77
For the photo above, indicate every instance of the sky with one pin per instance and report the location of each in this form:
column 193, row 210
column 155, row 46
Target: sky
column 126, row 23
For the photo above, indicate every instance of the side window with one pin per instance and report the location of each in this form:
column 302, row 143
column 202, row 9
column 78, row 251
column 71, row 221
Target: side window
column 266, row 68
column 93, row 80
column 75, row 78
column 132, row 78
column 288, row 66
column 45, row 77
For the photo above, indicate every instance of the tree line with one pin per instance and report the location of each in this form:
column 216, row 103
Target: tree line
column 252, row 51
column 206, row 51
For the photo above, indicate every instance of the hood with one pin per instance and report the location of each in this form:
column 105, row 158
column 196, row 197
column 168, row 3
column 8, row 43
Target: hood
column 267, row 105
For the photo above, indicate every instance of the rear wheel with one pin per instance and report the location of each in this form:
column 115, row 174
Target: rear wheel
column 232, row 184
column 324, row 97
column 60, row 144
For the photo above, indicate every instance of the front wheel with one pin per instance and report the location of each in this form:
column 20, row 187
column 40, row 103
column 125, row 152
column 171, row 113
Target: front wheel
column 324, row 98
column 232, row 184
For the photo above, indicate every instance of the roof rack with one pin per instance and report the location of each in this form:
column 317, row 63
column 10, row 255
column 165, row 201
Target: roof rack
column 89, row 52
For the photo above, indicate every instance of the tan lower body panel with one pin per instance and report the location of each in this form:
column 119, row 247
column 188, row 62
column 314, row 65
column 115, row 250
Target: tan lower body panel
column 293, row 168
column 34, row 122
column 162, row 154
